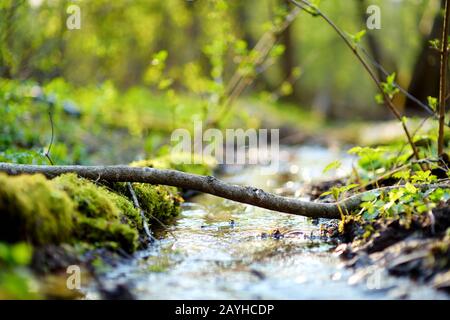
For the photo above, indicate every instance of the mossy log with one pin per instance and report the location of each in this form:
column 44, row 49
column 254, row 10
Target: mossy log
column 206, row 184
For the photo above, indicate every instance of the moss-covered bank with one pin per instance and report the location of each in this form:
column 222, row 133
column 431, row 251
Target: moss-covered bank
column 69, row 209
column 74, row 216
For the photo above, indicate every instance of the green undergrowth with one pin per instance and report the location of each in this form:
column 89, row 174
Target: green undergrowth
column 393, row 165
column 15, row 279
column 413, row 214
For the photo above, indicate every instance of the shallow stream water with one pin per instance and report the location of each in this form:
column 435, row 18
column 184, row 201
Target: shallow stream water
column 219, row 249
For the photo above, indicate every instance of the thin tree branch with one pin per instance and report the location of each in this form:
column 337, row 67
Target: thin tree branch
column 137, row 206
column 443, row 78
column 47, row 153
column 311, row 9
column 206, row 184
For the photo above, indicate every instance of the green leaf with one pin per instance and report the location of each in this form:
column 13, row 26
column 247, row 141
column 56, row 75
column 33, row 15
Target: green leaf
column 349, row 187
column 423, row 176
column 21, row 253
column 389, row 87
column 379, row 98
column 435, row 44
column 404, row 174
column 410, row 188
column 356, row 38
column 432, row 102
column 370, row 196
column 422, row 208
column 333, row 165
column 327, row 193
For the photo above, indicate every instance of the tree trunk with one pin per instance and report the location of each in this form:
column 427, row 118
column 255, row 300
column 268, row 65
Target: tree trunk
column 425, row 78
column 288, row 60
column 375, row 48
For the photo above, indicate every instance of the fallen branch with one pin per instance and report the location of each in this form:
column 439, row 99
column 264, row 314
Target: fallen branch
column 206, row 184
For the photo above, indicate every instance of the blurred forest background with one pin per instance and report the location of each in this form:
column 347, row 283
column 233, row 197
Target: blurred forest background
column 139, row 69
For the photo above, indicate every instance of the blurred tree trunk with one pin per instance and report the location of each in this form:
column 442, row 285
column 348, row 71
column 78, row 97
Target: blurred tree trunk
column 6, row 37
column 375, row 49
column 425, row 78
column 241, row 18
column 288, row 60
column 374, row 46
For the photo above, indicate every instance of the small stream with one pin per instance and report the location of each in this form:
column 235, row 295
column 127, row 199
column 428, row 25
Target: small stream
column 219, row 249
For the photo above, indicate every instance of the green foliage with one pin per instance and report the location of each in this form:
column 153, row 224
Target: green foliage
column 18, row 254
column 337, row 192
column 389, row 87
column 333, row 165
column 435, row 44
column 15, row 281
column 371, row 158
column 433, row 103
column 403, row 202
column 356, row 38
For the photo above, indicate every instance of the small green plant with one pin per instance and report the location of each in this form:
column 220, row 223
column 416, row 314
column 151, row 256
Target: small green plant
column 404, row 201
column 332, row 166
column 337, row 193
column 357, row 37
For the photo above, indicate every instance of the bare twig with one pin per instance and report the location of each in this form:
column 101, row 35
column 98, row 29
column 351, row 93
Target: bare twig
column 146, row 228
column 47, row 153
column 206, row 184
column 137, row 206
column 443, row 78
column 378, row 66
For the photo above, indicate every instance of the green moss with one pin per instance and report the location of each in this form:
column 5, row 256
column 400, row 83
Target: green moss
column 103, row 216
column 103, row 232
column 161, row 202
column 31, row 209
column 69, row 209
column 91, row 200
